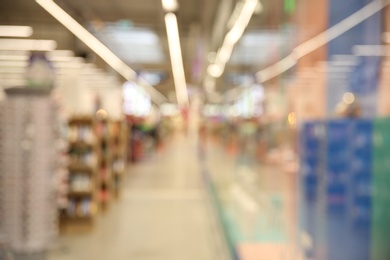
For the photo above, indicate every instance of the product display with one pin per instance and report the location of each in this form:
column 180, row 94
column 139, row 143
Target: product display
column 81, row 208
column 380, row 227
column 195, row 130
column 119, row 150
column 343, row 181
column 28, row 170
column 82, row 170
column 105, row 160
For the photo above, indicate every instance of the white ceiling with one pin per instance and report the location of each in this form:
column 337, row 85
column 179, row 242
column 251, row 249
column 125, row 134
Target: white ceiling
column 133, row 44
column 135, row 31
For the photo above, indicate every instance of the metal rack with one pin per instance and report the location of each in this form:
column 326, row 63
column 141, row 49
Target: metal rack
column 27, row 171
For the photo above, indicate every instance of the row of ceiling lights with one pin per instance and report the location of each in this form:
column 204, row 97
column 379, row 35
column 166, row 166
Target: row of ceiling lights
column 170, row 6
column 240, row 18
column 105, row 53
column 316, row 42
column 215, row 70
column 14, row 62
column 99, row 48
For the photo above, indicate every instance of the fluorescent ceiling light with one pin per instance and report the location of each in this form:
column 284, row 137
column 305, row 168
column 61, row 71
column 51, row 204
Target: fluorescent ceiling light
column 27, row 45
column 209, row 84
column 276, row 69
column 370, row 50
column 15, row 31
column 14, row 57
column 225, row 53
column 95, row 45
column 236, row 13
column 13, row 63
column 176, row 59
column 75, row 64
column 241, row 16
column 215, row 70
column 242, row 21
column 259, row 8
column 63, row 59
column 170, row 5
column 60, row 55
column 86, row 37
column 320, row 40
column 14, row 52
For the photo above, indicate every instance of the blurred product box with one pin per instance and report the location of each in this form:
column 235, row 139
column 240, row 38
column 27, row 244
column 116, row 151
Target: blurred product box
column 344, row 180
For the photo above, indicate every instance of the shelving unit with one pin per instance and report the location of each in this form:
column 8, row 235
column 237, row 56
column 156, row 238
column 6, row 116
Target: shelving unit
column 83, row 164
column 119, row 132
column 28, row 168
column 104, row 138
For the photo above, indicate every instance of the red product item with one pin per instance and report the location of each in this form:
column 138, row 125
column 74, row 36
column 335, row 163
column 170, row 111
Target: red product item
column 104, row 195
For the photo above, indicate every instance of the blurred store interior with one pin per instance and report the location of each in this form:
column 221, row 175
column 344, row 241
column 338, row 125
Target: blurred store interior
column 195, row 129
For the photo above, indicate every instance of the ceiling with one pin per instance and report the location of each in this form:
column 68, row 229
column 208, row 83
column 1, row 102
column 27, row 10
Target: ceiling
column 135, row 31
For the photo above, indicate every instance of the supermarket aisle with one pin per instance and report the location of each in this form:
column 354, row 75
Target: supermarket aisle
column 162, row 214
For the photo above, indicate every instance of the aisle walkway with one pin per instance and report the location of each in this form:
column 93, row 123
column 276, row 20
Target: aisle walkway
column 163, row 215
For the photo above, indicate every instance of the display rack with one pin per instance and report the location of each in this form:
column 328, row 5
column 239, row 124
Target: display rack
column 83, row 164
column 119, row 132
column 104, row 137
column 28, row 168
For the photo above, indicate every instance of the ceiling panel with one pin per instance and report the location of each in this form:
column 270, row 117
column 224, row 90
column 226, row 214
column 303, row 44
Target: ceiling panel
column 133, row 44
column 257, row 47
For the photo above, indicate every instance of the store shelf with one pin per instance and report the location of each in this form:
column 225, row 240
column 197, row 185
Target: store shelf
column 81, row 120
column 29, row 207
column 83, row 168
column 82, row 144
column 74, row 167
column 119, row 130
column 73, row 218
column 81, row 193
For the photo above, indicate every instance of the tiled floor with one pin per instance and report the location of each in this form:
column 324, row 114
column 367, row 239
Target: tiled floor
column 163, row 214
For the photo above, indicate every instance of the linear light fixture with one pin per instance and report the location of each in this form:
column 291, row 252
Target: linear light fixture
column 61, row 55
column 170, row 5
column 27, row 45
column 371, row 50
column 209, row 84
column 14, row 57
column 12, row 70
column 15, row 31
column 241, row 21
column 98, row 47
column 176, row 59
column 13, row 63
column 320, row 40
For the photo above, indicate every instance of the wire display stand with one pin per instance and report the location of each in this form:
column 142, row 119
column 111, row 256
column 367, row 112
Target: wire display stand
column 29, row 219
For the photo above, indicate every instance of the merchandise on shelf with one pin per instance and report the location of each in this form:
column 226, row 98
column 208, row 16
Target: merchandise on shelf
column 80, row 183
column 83, row 163
column 119, row 147
column 105, row 143
column 81, row 208
column 344, row 183
column 380, row 226
column 81, row 133
column 28, row 170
